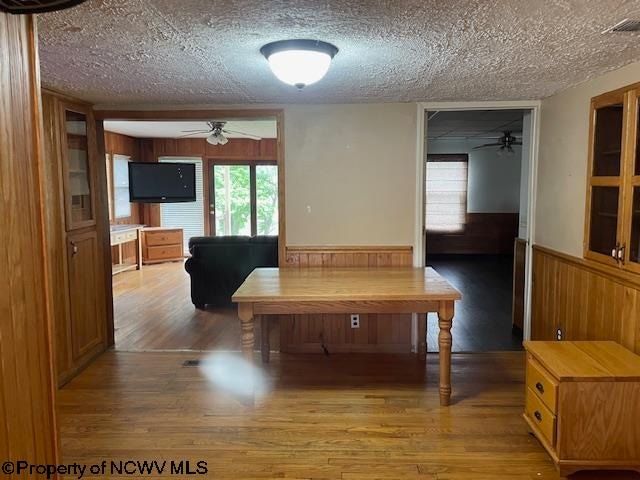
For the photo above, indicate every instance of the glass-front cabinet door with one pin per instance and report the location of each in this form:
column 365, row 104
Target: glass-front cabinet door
column 78, row 168
column 606, row 179
column 632, row 197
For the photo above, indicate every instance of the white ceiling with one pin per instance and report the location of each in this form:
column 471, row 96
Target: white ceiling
column 207, row 51
column 473, row 123
column 144, row 129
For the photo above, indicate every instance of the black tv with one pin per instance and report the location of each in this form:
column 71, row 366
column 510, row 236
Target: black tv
column 162, row 182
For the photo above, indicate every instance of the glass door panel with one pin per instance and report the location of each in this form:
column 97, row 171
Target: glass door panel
column 604, row 219
column 267, row 199
column 607, row 143
column 634, row 247
column 79, row 201
column 232, row 199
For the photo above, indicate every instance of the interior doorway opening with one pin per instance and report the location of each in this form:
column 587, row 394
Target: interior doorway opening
column 477, row 170
column 237, row 198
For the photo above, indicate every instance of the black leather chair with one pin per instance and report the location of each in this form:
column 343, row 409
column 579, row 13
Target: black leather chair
column 219, row 265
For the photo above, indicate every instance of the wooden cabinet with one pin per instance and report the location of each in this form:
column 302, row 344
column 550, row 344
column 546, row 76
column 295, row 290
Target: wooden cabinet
column 87, row 334
column 76, row 223
column 612, row 226
column 162, row 245
column 582, row 402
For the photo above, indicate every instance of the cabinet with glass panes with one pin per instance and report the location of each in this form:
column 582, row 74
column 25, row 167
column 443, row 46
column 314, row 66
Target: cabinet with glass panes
column 612, row 224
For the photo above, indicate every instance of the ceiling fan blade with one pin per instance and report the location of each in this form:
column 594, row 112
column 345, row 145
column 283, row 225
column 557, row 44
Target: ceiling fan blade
column 248, row 135
column 200, row 130
column 487, row 145
column 193, row 133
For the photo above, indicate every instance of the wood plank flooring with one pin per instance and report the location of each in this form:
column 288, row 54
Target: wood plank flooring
column 341, row 417
column 153, row 312
column 482, row 321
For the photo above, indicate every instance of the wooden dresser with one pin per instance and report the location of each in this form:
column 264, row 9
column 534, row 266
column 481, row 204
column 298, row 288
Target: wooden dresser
column 583, row 404
column 162, row 245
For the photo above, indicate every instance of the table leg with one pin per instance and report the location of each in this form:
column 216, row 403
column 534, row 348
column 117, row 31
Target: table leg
column 445, row 318
column 245, row 312
column 265, row 347
column 422, row 336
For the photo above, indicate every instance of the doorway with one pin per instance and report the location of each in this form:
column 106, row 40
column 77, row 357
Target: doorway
column 237, row 193
column 477, row 176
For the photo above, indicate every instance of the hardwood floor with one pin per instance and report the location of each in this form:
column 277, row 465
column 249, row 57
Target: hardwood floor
column 340, row 417
column 153, row 311
column 482, row 320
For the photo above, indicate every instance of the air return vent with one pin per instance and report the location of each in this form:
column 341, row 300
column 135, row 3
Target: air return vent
column 626, row 25
column 36, row 6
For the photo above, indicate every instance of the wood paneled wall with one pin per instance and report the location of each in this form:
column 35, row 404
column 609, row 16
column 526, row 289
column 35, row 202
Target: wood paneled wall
column 237, row 149
column 377, row 333
column 485, row 233
column 27, row 418
column 586, row 300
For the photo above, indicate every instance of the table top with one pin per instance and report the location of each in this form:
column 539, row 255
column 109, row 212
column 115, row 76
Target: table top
column 356, row 284
column 586, row 360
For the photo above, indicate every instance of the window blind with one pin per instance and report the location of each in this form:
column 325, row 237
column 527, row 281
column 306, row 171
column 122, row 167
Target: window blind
column 121, row 205
column 186, row 215
column 446, row 195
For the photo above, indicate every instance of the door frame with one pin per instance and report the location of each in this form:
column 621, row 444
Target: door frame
column 101, row 115
column 421, row 152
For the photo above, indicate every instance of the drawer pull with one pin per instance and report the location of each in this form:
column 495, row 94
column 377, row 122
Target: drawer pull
column 538, row 415
column 540, row 387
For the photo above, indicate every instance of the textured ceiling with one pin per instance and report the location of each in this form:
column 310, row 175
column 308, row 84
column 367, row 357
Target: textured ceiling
column 145, row 129
column 473, row 123
column 207, row 51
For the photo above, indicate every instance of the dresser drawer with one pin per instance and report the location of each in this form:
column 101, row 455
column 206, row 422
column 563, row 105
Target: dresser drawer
column 163, row 252
column 540, row 381
column 540, row 416
column 129, row 236
column 164, row 237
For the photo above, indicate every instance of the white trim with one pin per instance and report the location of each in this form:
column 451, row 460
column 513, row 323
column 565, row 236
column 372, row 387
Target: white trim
column 534, row 106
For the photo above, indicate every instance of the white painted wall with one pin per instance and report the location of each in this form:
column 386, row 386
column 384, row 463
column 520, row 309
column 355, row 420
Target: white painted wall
column 494, row 182
column 350, row 174
column 562, row 164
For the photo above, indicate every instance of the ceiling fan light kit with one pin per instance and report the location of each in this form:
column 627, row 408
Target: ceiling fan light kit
column 299, row 62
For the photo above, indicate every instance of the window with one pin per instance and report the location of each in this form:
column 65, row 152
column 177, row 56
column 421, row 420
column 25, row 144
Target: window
column 186, row 215
column 446, row 193
column 121, row 205
column 245, row 198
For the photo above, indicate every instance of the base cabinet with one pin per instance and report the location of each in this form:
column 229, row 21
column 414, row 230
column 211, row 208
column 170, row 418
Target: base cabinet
column 86, row 311
column 582, row 402
column 162, row 245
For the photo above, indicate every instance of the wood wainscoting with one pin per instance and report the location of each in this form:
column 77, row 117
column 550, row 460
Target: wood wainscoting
column 377, row 333
column 586, row 300
column 484, row 233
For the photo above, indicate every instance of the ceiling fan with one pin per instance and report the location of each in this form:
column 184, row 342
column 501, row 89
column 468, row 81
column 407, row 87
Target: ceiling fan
column 505, row 143
column 217, row 131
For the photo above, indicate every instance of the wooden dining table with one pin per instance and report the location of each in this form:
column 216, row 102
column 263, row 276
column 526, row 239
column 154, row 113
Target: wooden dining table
column 285, row 291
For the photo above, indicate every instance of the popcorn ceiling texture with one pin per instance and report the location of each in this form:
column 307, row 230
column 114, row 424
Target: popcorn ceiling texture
column 207, row 51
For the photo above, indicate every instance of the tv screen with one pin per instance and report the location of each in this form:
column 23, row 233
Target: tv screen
column 162, row 182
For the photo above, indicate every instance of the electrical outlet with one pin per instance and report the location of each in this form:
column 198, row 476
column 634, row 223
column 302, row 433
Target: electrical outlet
column 355, row 320
column 559, row 334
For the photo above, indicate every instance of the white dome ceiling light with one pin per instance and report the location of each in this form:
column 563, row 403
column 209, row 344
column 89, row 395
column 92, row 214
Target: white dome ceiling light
column 299, row 62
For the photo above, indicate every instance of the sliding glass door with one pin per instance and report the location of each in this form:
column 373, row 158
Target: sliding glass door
column 244, row 199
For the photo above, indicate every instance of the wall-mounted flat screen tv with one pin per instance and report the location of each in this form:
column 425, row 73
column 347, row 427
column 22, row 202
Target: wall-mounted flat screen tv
column 164, row 182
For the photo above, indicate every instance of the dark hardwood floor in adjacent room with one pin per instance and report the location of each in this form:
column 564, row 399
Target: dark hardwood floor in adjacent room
column 342, row 417
column 153, row 311
column 482, row 321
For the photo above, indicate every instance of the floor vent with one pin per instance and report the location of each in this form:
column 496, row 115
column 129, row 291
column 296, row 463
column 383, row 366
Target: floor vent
column 626, row 25
column 191, row 363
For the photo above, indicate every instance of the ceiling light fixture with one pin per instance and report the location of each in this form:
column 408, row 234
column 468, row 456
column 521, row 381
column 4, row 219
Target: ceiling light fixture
column 299, row 62
column 217, row 137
